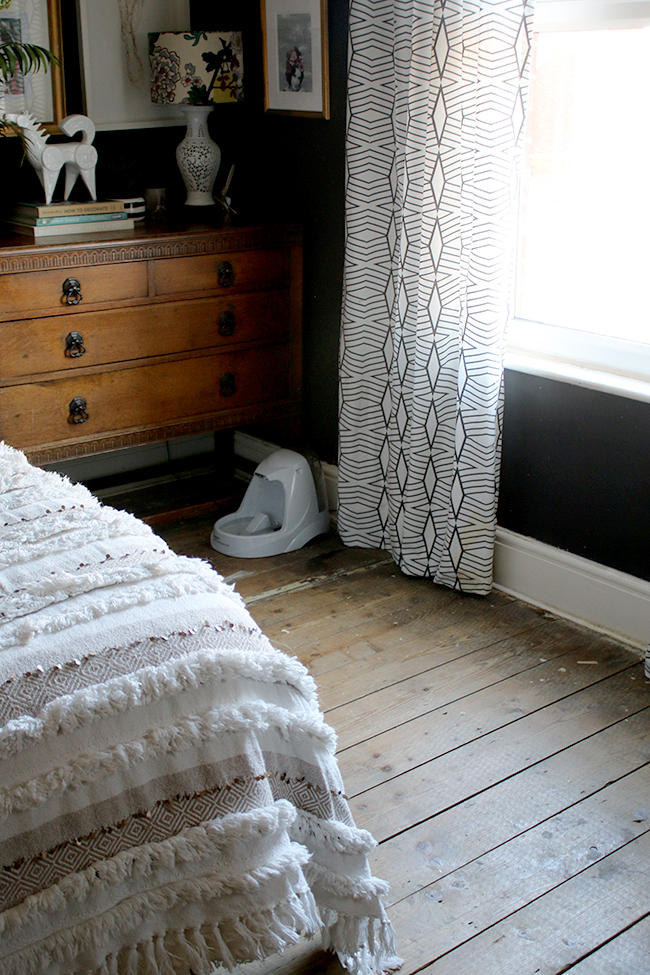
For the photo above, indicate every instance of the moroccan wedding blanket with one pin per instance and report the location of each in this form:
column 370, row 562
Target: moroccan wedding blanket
column 169, row 796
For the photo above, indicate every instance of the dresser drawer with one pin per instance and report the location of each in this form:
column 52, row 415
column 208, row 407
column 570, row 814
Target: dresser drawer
column 97, row 338
column 42, row 291
column 192, row 275
column 178, row 331
column 144, row 396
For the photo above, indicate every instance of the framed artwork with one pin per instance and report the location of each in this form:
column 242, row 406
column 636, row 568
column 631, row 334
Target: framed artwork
column 114, row 37
column 40, row 92
column 296, row 59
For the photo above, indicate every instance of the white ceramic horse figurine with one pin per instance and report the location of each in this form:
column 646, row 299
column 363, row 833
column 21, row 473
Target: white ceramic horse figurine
column 48, row 158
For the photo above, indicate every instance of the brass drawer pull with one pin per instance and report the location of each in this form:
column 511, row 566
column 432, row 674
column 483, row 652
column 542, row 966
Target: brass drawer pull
column 78, row 413
column 71, row 291
column 226, row 323
column 227, row 384
column 225, row 274
column 74, row 345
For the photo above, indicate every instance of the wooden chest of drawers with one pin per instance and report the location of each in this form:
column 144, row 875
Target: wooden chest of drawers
column 105, row 343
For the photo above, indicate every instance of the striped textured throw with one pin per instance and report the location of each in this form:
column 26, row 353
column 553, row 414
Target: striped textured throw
column 169, row 796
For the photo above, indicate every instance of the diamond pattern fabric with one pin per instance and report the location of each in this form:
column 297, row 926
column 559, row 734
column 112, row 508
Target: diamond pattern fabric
column 436, row 99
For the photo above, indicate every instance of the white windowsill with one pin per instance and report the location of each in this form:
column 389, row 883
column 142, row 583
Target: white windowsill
column 593, row 361
column 571, row 372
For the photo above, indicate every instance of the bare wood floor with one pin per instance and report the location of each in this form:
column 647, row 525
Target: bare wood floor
column 500, row 757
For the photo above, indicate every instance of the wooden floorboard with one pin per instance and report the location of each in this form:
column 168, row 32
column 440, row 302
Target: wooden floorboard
column 558, row 929
column 625, row 954
column 449, row 778
column 463, row 832
column 513, row 672
column 500, row 757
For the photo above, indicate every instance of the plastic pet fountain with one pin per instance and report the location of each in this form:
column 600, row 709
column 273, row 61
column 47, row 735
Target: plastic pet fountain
column 284, row 507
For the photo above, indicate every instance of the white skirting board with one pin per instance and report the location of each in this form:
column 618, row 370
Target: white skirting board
column 111, row 462
column 604, row 599
column 567, row 585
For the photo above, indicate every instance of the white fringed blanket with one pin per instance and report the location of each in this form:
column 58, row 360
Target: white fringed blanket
column 169, row 796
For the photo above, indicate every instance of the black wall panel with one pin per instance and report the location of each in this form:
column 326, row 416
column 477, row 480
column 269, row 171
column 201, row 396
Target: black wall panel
column 575, row 471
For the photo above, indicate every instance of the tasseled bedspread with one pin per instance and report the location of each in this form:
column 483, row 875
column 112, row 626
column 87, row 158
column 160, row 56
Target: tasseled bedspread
column 169, row 795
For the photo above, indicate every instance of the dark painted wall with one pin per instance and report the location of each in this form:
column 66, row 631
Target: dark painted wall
column 575, row 471
column 294, row 168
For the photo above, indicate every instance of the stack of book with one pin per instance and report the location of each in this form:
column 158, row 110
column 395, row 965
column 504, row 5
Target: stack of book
column 52, row 219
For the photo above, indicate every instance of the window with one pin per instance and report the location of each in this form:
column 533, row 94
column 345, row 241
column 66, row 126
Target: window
column 582, row 306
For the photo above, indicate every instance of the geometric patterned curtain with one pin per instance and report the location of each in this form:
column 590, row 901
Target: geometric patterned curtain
column 437, row 96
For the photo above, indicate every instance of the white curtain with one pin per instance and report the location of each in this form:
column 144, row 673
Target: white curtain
column 437, row 94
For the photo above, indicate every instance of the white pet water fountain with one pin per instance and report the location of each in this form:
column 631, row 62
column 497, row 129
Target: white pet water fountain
column 284, row 507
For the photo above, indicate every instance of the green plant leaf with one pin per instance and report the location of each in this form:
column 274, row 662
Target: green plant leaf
column 198, row 95
column 26, row 57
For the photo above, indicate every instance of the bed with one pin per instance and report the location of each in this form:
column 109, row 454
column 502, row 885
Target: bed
column 169, row 796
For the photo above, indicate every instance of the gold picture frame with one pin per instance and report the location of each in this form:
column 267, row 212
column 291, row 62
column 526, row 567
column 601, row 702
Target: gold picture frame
column 56, row 71
column 43, row 93
column 296, row 57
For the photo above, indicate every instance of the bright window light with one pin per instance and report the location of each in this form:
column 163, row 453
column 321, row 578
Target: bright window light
column 584, row 241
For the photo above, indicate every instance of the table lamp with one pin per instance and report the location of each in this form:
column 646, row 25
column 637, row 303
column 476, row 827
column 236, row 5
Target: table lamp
column 195, row 70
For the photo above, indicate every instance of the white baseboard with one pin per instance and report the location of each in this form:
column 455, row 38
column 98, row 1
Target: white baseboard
column 113, row 462
column 567, row 585
column 252, row 448
column 575, row 588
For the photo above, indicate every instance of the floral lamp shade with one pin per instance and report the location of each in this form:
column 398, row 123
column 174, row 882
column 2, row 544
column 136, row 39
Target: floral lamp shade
column 196, row 67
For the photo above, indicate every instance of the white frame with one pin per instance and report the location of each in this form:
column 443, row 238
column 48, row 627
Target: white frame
column 276, row 99
column 110, row 99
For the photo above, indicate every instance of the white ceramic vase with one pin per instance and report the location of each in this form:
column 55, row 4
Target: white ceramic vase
column 198, row 157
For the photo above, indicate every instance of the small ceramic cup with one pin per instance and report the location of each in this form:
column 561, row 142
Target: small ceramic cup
column 155, row 200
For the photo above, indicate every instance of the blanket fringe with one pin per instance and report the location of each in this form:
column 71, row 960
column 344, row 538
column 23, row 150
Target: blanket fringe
column 149, row 952
column 255, row 718
column 248, row 938
column 365, row 946
column 335, row 835
column 162, row 963
column 192, row 844
column 222, row 951
column 132, row 961
column 25, row 628
column 193, row 948
column 143, row 687
column 340, row 886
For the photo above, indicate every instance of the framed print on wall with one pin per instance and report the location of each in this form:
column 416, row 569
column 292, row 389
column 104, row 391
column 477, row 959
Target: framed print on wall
column 40, row 92
column 296, row 65
column 115, row 56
